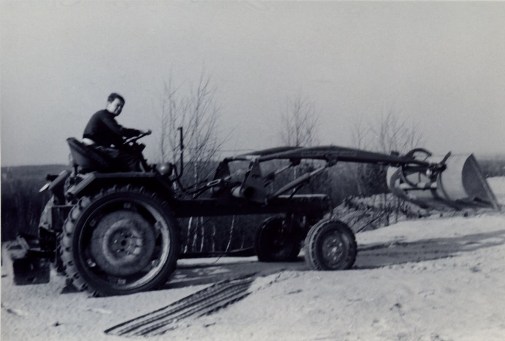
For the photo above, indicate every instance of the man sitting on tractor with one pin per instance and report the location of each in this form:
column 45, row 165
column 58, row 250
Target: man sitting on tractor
column 107, row 136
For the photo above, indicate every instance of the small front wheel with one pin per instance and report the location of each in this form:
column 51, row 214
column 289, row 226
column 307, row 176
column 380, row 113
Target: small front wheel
column 330, row 245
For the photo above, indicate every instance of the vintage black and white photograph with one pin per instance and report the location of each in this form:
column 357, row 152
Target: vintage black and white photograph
column 252, row 170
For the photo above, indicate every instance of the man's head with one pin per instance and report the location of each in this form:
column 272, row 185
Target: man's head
column 115, row 103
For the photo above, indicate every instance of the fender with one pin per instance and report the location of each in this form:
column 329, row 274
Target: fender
column 94, row 181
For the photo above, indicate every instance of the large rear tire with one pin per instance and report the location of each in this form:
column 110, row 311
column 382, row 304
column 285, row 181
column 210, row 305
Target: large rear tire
column 276, row 241
column 330, row 245
column 120, row 241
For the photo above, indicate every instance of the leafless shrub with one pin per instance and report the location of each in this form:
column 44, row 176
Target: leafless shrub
column 299, row 123
column 392, row 133
column 197, row 112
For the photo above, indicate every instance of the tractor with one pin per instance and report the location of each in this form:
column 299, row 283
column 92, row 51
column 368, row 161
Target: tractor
column 115, row 232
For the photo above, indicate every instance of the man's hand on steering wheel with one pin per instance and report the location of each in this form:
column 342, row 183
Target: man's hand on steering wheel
column 140, row 135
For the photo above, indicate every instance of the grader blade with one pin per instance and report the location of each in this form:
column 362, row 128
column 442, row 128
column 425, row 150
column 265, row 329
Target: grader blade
column 460, row 185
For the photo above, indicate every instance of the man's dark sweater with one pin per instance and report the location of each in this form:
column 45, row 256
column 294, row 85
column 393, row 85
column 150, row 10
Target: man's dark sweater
column 105, row 131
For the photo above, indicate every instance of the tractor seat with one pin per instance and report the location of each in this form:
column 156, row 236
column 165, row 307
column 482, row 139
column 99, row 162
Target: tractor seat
column 88, row 159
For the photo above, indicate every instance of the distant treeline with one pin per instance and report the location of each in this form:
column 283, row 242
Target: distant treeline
column 492, row 166
column 21, row 201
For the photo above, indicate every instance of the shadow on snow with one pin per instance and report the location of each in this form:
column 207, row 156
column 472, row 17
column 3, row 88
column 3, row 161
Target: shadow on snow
column 399, row 252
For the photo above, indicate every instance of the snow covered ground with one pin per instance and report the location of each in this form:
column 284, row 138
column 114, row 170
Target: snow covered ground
column 430, row 279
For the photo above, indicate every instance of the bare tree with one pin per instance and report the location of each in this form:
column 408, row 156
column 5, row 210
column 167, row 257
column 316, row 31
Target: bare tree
column 170, row 120
column 360, row 137
column 299, row 123
column 390, row 133
column 197, row 113
column 299, row 128
column 360, row 134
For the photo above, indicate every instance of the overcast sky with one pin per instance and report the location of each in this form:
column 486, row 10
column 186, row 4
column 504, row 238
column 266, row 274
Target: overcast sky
column 438, row 65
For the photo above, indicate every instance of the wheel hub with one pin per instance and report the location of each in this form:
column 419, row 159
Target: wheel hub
column 125, row 242
column 122, row 243
column 332, row 249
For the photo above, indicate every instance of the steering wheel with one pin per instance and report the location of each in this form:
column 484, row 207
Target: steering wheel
column 138, row 137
